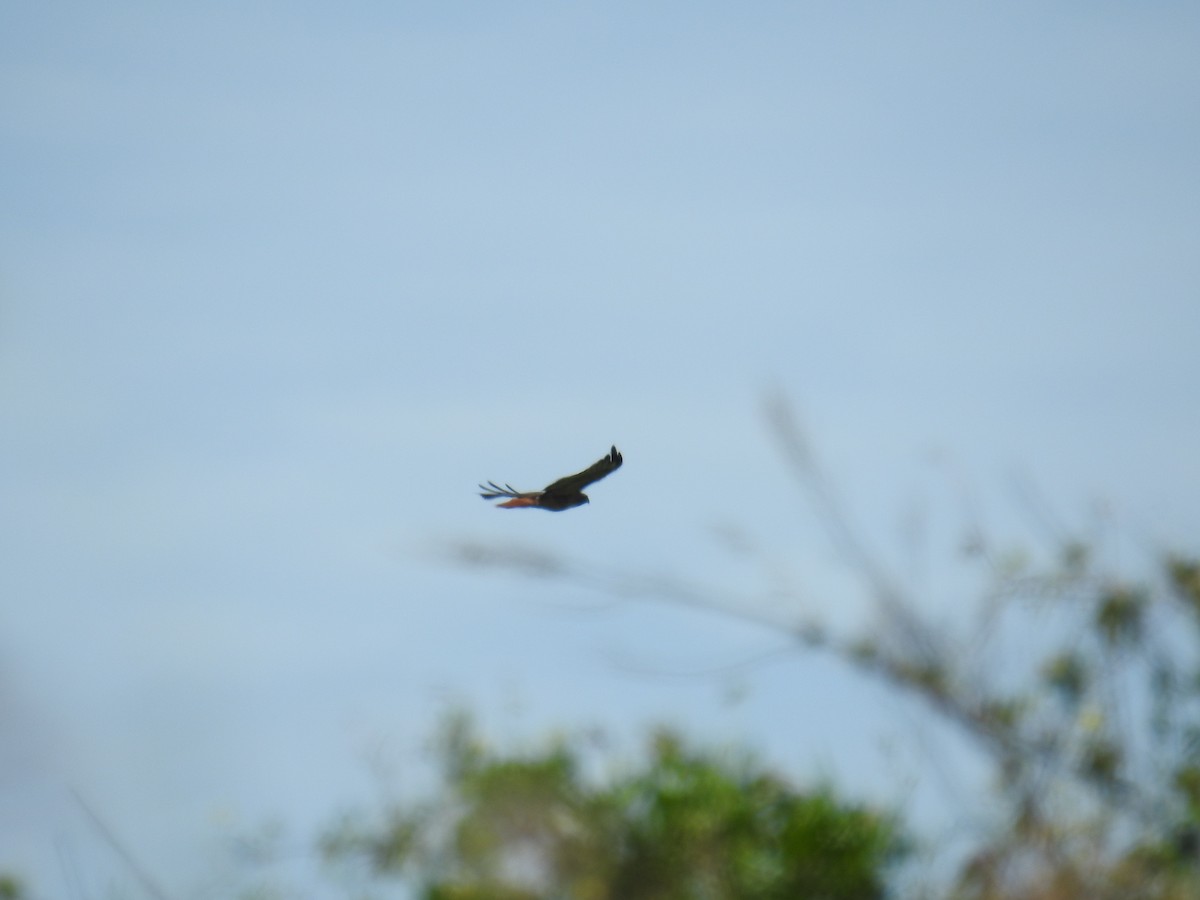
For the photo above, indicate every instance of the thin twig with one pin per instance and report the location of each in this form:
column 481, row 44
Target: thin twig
column 106, row 832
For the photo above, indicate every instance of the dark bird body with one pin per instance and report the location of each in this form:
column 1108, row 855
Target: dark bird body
column 562, row 494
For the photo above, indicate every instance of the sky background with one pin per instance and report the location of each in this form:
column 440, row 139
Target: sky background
column 280, row 283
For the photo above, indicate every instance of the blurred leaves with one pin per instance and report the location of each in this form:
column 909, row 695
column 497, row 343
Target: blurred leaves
column 1187, row 782
column 1119, row 615
column 1079, row 686
column 1066, row 675
column 683, row 823
column 1184, row 576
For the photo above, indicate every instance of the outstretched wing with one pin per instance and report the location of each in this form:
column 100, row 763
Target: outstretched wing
column 573, row 484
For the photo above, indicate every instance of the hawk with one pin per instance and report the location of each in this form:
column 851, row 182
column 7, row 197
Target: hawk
column 562, row 494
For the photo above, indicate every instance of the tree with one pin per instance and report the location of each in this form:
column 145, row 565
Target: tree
column 1098, row 753
column 1080, row 686
column 686, row 824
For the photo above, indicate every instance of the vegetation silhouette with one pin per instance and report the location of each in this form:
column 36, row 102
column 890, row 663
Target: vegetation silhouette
column 683, row 824
column 1079, row 686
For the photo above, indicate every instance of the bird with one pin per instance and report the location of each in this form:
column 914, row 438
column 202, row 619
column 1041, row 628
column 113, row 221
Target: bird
column 559, row 495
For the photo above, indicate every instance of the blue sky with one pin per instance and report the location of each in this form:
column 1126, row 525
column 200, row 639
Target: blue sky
column 279, row 285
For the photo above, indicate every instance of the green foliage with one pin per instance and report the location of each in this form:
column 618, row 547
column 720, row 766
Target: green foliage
column 1096, row 756
column 1067, row 675
column 696, row 826
column 1185, row 579
column 1079, row 688
column 684, row 824
column 1187, row 782
column 1119, row 614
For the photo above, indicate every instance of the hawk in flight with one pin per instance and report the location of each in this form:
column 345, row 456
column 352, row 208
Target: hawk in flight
column 562, row 494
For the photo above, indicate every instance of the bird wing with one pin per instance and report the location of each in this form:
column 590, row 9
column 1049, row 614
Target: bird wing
column 572, row 484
